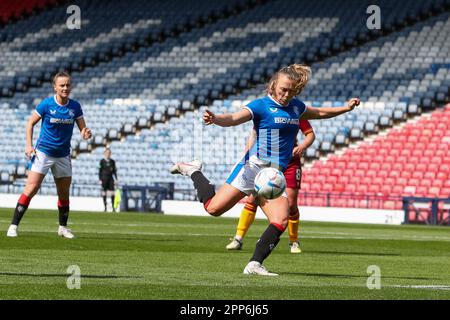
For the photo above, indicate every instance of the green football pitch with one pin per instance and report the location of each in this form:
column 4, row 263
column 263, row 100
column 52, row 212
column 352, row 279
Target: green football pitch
column 153, row 256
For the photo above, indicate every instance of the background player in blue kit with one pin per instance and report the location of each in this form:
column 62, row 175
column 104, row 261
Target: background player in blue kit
column 276, row 121
column 52, row 151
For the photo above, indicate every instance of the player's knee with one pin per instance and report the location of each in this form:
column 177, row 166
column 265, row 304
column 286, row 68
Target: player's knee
column 32, row 189
column 214, row 211
column 280, row 221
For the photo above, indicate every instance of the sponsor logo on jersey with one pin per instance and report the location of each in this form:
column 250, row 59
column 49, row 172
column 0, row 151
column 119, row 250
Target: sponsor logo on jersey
column 273, row 110
column 52, row 111
column 61, row 121
column 286, row 120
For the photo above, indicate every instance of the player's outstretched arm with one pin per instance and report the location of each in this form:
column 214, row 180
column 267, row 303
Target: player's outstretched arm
column 327, row 112
column 227, row 119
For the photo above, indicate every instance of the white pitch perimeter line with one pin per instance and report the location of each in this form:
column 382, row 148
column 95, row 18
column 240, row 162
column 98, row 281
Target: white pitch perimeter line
column 228, row 235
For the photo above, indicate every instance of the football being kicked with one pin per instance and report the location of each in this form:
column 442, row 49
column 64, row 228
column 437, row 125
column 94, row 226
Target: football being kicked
column 270, row 183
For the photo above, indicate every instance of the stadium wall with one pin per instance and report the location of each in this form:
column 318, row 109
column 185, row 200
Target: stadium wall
column 191, row 208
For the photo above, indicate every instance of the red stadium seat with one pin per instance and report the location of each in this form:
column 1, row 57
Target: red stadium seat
column 414, row 182
column 426, row 182
column 352, row 165
column 359, row 173
column 409, row 190
column 337, row 172
column 374, row 189
column 340, row 165
column 394, row 174
column 390, row 159
column 421, row 167
column 390, row 181
column 447, row 183
column 406, row 174
column 397, row 190
column 436, row 160
column 406, row 152
column 395, row 152
column 421, row 191
column 386, row 189
column 375, row 166
column 442, row 175
column 363, row 165
column 316, row 187
column 332, row 179
column 386, row 167
column 434, row 192
column 389, row 205
column 351, row 188
column 371, row 173
column 318, row 202
column 343, row 180
column 383, row 174
column 409, row 167
column 429, row 175
column 438, row 183
column 348, row 172
column 402, row 181
column 444, row 192
column 418, row 174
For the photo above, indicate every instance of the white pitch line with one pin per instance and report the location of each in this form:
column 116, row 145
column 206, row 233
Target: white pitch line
column 426, row 287
column 228, row 235
column 304, row 234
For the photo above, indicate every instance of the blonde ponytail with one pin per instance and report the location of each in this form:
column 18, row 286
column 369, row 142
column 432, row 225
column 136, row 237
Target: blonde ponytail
column 298, row 72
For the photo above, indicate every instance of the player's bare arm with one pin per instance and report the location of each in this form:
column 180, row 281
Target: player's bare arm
column 251, row 140
column 328, row 112
column 227, row 119
column 85, row 132
column 306, row 143
column 29, row 150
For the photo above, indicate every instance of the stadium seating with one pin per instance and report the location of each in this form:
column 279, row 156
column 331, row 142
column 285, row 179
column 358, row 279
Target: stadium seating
column 412, row 159
column 38, row 47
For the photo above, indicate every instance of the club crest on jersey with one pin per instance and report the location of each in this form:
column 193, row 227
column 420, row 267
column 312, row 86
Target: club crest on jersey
column 273, row 110
column 297, row 112
column 71, row 113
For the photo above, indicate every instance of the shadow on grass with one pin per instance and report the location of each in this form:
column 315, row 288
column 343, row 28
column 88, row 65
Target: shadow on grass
column 65, row 275
column 350, row 276
column 381, row 254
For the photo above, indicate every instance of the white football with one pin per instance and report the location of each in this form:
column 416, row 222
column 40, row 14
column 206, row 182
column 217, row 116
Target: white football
column 270, row 183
